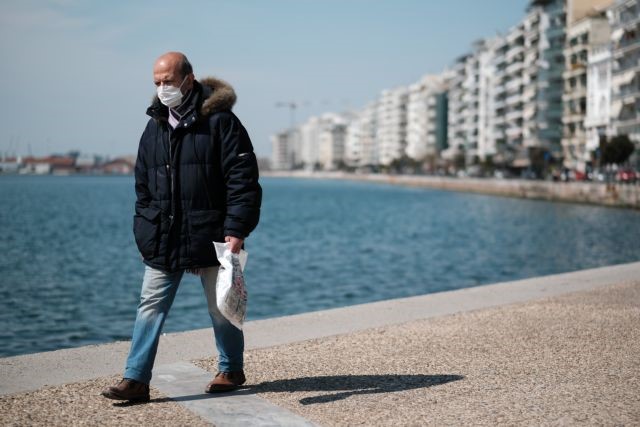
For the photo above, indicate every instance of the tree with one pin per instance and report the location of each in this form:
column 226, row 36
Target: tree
column 488, row 166
column 538, row 157
column 617, row 150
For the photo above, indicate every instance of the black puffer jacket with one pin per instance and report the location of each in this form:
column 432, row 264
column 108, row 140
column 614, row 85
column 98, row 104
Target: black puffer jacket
column 195, row 184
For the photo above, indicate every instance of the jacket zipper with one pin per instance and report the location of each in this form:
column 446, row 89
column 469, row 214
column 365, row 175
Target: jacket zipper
column 170, row 171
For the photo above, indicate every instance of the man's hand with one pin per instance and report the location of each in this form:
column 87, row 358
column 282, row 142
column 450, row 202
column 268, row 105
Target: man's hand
column 234, row 243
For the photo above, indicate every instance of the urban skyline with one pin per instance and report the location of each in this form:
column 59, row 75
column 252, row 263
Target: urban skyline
column 560, row 79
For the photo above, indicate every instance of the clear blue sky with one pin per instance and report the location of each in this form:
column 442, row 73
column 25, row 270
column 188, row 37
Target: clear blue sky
column 76, row 74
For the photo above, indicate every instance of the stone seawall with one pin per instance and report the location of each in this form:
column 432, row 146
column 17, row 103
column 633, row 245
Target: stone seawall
column 617, row 195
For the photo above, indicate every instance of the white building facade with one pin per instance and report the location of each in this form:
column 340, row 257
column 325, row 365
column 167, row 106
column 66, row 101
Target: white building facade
column 579, row 97
column 456, row 132
column 598, row 118
column 285, row 154
column 424, row 112
column 391, row 125
column 624, row 18
column 472, row 86
column 361, row 143
column 331, row 140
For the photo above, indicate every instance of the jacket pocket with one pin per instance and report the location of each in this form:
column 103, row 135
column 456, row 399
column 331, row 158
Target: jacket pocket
column 146, row 229
column 205, row 227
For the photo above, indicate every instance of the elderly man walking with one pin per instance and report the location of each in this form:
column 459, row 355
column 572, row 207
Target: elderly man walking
column 196, row 181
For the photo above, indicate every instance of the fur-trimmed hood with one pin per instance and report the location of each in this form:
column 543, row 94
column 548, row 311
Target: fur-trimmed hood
column 221, row 96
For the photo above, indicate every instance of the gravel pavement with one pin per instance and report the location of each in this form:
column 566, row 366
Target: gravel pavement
column 565, row 360
column 80, row 404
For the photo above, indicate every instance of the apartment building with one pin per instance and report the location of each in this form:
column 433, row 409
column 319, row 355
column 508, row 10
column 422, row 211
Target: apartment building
column 331, row 140
column 282, row 151
column 456, row 109
column 624, row 19
column 583, row 38
column 544, row 40
column 598, row 117
column 360, row 143
column 426, row 118
column 391, row 121
column 310, row 142
column 482, row 122
column 471, row 108
column 470, row 98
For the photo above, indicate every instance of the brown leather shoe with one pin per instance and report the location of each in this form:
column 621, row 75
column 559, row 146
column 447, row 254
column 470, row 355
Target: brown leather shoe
column 225, row 381
column 128, row 390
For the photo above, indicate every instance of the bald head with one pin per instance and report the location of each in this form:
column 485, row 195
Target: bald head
column 172, row 68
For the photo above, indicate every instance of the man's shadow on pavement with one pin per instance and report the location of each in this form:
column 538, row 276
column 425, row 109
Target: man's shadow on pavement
column 351, row 385
column 339, row 387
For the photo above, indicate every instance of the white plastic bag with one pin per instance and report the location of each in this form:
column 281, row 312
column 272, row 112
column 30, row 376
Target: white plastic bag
column 231, row 293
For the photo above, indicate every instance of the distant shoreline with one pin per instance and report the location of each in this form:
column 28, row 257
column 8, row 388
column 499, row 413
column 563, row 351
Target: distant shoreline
column 603, row 194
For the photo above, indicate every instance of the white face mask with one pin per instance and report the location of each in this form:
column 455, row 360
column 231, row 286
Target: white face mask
column 170, row 96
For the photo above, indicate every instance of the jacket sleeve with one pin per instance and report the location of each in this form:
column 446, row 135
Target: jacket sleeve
column 240, row 171
column 143, row 196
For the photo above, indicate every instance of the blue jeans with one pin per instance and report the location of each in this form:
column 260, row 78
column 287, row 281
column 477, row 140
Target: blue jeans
column 158, row 291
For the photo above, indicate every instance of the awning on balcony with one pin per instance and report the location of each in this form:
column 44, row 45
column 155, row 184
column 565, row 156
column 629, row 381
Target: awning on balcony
column 623, row 78
column 450, row 153
column 521, row 162
column 616, row 107
column 617, row 34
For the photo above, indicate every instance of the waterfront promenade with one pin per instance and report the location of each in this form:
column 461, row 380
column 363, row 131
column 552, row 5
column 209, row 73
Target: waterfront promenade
column 595, row 193
column 559, row 349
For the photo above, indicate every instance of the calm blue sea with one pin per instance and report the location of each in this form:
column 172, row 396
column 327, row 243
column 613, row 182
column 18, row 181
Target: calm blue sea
column 70, row 274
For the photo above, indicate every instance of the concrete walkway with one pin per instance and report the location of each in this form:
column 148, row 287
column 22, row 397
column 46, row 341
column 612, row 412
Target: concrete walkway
column 183, row 382
column 522, row 352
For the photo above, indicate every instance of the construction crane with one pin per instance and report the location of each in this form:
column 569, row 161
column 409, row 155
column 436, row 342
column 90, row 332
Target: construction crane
column 292, row 106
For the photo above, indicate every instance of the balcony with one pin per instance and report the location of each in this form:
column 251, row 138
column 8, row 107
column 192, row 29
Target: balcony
column 628, row 64
column 573, row 118
column 514, row 99
column 513, row 84
column 514, row 34
column 531, row 32
column 499, row 59
column 624, row 78
column 629, row 127
column 574, row 70
column 529, row 112
column 497, row 134
column 529, row 92
column 513, row 115
column 625, row 47
column 514, row 67
column 514, row 132
column 576, row 92
column 514, row 51
column 499, row 71
column 575, row 49
column 499, row 90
